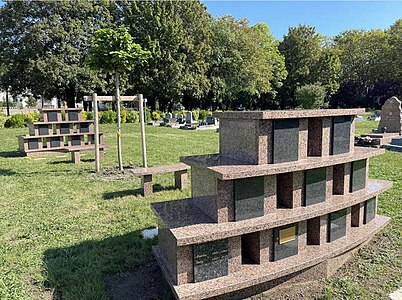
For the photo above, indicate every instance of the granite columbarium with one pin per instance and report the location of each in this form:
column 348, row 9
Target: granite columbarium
column 286, row 200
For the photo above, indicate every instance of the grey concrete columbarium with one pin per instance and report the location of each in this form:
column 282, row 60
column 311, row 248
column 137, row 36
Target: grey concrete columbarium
column 286, row 199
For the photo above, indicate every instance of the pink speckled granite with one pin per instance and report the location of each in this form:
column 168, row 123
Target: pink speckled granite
column 198, row 228
column 303, row 138
column 329, row 183
column 250, row 275
column 288, row 114
column 234, row 251
column 269, row 193
column 225, row 169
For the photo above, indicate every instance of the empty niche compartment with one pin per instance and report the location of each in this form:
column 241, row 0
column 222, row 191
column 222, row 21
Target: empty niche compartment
column 336, row 225
column 210, row 260
column 284, row 190
column 313, row 231
column 369, row 210
column 358, row 175
column 249, row 198
column 315, row 181
column 314, row 140
column 250, row 248
column 285, row 140
column 338, row 187
column 285, row 241
column 340, row 135
column 355, row 215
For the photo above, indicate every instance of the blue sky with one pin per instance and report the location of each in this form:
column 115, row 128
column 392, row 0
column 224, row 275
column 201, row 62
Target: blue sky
column 329, row 17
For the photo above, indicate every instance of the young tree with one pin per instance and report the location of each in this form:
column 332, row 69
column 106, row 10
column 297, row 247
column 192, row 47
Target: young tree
column 113, row 51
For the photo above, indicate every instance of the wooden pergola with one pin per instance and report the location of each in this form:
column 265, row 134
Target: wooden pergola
column 95, row 99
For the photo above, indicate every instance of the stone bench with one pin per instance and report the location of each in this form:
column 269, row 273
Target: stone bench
column 180, row 176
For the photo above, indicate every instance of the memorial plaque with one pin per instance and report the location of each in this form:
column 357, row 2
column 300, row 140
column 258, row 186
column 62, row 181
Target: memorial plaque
column 52, row 116
column 369, row 210
column 315, row 186
column 55, row 142
column 84, row 127
column 33, row 144
column 43, row 130
column 336, row 225
column 285, row 241
column 210, row 260
column 249, row 198
column 73, row 115
column 340, row 134
column 285, row 140
column 64, row 128
column 358, row 178
column 76, row 141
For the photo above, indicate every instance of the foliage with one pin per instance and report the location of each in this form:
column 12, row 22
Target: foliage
column 108, row 117
column 113, row 50
column 308, row 61
column 311, row 96
column 155, row 116
column 123, row 115
column 196, row 115
column 15, row 121
column 3, row 119
column 44, row 44
column 245, row 63
column 32, row 117
column 32, row 102
column 10, row 104
column 88, row 115
column 178, row 34
column 133, row 117
column 203, row 114
column 148, row 116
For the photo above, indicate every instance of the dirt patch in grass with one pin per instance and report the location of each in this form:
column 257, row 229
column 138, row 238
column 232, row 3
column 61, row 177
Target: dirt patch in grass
column 144, row 283
column 112, row 174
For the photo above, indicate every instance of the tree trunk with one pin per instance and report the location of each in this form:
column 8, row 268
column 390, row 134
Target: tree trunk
column 117, row 82
column 7, row 103
column 70, row 97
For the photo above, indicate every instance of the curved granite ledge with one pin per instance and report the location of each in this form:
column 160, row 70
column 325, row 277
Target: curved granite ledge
column 288, row 114
column 251, row 275
column 227, row 169
column 201, row 229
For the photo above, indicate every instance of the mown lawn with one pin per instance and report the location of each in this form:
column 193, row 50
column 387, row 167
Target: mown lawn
column 62, row 228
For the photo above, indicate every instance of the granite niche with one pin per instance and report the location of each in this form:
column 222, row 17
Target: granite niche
column 286, row 199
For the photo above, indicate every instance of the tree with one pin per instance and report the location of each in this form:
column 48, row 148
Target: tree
column 366, row 60
column 245, row 63
column 311, row 96
column 47, row 42
column 113, row 51
column 178, row 35
column 308, row 61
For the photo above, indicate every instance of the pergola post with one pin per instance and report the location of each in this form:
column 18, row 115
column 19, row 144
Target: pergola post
column 96, row 131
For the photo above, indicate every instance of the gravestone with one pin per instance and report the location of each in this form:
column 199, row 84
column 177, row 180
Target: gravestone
column 189, row 118
column 211, row 120
column 391, row 115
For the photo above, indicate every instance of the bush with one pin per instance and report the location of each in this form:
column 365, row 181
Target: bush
column 133, row 117
column 311, row 96
column 196, row 115
column 148, row 117
column 155, row 116
column 3, row 119
column 108, row 117
column 15, row 121
column 32, row 117
column 88, row 115
column 10, row 104
column 123, row 116
column 203, row 114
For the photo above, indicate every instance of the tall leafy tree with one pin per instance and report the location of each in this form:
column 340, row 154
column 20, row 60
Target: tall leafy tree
column 366, row 58
column 47, row 42
column 308, row 61
column 113, row 51
column 178, row 35
column 245, row 63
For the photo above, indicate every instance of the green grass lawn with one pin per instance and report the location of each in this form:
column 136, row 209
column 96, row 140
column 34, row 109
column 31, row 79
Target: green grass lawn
column 62, row 228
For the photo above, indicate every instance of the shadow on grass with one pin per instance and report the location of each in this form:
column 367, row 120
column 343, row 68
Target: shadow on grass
column 119, row 267
column 134, row 192
column 7, row 172
column 7, row 154
column 69, row 161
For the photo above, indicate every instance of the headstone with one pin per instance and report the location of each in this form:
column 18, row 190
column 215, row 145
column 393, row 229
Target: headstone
column 369, row 210
column 189, row 117
column 391, row 115
column 168, row 116
column 211, row 120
